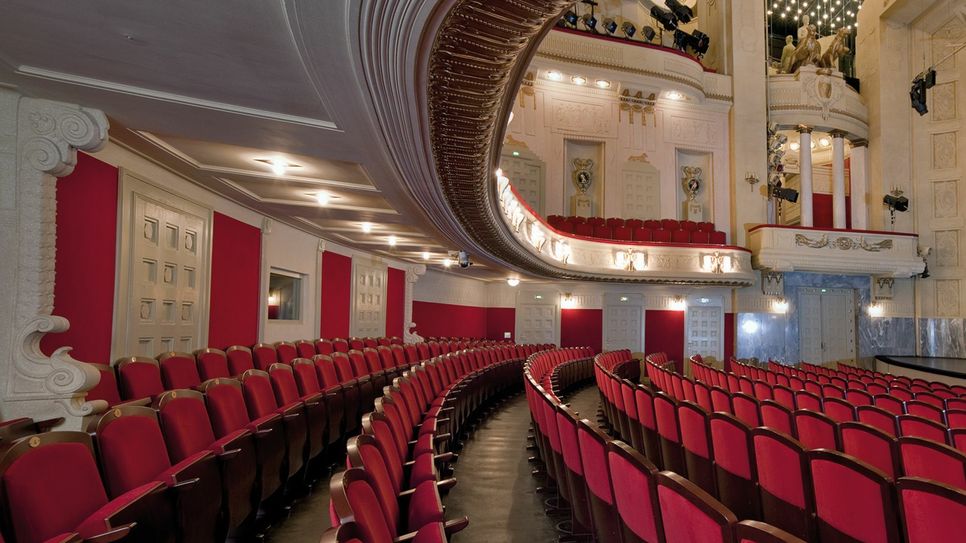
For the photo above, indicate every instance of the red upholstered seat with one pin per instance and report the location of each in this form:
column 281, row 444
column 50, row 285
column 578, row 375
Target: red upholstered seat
column 188, row 431
column 107, row 388
column 877, row 417
column 681, row 236
column 866, row 512
column 700, row 237
column 593, row 459
column 264, row 355
column 287, row 393
column 887, row 402
column 925, row 410
column 734, row 465
column 705, row 226
column 696, row 441
column 669, row 433
column 858, row 397
column 642, row 233
column 661, row 235
column 133, row 453
column 784, row 481
column 179, row 370
column 931, row 511
column 310, row 385
column 718, row 238
column 721, row 400
column 570, row 448
column 931, row 460
column 752, row 531
column 623, row 233
column 71, row 481
column 139, row 377
column 911, row 425
column 306, row 348
column 567, row 226
column 614, row 222
column 815, row 430
column 286, row 352
column 689, row 514
column 212, row 364
column 670, row 224
column 635, row 493
column 777, row 417
column 746, row 409
column 644, row 401
column 261, row 403
column 356, row 343
column 871, row 445
column 340, row 345
column 597, row 221
column 239, row 359
column 324, row 346
column 689, row 226
column 838, row 409
column 584, row 229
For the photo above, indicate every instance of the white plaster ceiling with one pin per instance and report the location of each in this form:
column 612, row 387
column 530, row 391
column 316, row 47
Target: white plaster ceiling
column 207, row 88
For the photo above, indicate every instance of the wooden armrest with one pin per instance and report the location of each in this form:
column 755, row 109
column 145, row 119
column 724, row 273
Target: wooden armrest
column 113, row 534
column 446, row 484
column 262, row 433
column 45, row 425
column 229, row 454
column 186, row 484
column 455, row 525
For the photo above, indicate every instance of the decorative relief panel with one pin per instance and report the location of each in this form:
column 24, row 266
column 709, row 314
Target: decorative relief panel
column 581, row 117
column 641, row 184
column 368, row 298
column 947, row 297
column 691, row 131
column 944, row 102
column 944, row 150
column 947, row 248
column 946, row 199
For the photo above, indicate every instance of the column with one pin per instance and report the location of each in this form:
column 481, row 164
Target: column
column 412, row 275
column 39, row 140
column 838, row 179
column 859, row 176
column 805, row 174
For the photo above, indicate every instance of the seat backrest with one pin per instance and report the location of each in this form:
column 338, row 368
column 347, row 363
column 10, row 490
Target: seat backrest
column 782, row 470
column 753, row 531
column 665, row 413
column 354, row 499
column 930, row 511
column 870, row 445
column 693, row 423
column 212, row 363
column 930, row 460
column 635, row 490
column 746, row 409
column 306, row 376
column 925, row 410
column 286, row 351
column 259, row 396
column 363, row 452
column 343, row 366
column 340, row 345
column 264, row 355
column 838, row 409
column 239, row 359
column 878, row 417
column 70, row 479
column 777, row 417
column 721, row 400
column 282, row 377
column 358, row 362
column 326, row 370
column 808, row 400
column 593, row 459
column 179, row 370
column 130, row 447
column 644, row 400
column 306, row 348
column 107, row 388
column 912, row 425
column 815, row 430
column 691, row 514
column 731, row 441
column 139, row 377
column 865, row 512
column 887, row 402
column 324, row 346
column 226, row 405
column 185, row 423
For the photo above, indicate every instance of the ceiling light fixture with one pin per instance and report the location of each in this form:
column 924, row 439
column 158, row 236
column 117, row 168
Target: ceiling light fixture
column 366, row 227
column 795, row 146
column 278, row 165
column 824, row 142
column 322, row 198
column 579, row 80
column 391, row 241
column 513, row 281
column 554, row 75
column 447, row 262
column 425, row 255
column 603, row 84
column 674, row 95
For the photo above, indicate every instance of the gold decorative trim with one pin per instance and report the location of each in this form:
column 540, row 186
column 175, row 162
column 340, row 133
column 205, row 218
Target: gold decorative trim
column 843, row 243
column 513, row 142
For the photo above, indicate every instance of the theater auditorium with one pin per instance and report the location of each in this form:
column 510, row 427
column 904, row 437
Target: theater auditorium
column 479, row 271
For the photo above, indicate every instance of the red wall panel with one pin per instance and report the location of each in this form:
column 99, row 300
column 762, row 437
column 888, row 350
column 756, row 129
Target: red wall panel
column 664, row 331
column 729, row 335
column 822, row 210
column 395, row 302
column 449, row 320
column 582, row 328
column 499, row 320
column 336, row 294
column 86, row 254
column 236, row 256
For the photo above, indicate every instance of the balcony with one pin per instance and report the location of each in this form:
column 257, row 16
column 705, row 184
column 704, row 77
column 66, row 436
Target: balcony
column 835, row 251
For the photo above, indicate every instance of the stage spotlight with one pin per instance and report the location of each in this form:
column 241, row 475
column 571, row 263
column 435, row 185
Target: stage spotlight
column 667, row 19
column 781, row 193
column 682, row 40
column 648, row 33
column 930, row 78
column 896, row 203
column 628, row 29
column 917, row 94
column 610, row 26
column 682, row 12
column 700, row 43
column 590, row 22
column 571, row 18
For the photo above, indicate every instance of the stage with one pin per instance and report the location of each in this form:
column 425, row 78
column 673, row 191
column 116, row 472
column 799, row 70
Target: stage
column 946, row 370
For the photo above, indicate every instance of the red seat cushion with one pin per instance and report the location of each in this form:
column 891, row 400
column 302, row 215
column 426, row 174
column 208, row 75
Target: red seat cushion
column 96, row 522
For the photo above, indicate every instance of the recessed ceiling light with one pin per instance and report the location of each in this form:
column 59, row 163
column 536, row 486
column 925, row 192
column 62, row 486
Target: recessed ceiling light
column 278, row 165
column 515, row 153
column 824, row 142
column 425, row 255
column 603, row 83
column 322, row 198
column 674, row 95
column 579, row 79
column 624, row 298
column 513, row 281
column 391, row 240
column 554, row 75
column 795, row 146
column 447, row 262
column 366, row 227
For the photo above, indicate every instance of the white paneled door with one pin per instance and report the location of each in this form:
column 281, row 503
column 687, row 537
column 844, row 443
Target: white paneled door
column 704, row 330
column 368, row 298
column 162, row 294
column 826, row 324
column 537, row 323
column 624, row 323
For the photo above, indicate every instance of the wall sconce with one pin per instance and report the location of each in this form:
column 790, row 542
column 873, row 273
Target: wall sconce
column 875, row 309
column 568, row 301
column 537, row 238
column 716, row 263
column 273, row 298
column 560, row 250
column 780, row 305
column 752, row 179
column 630, row 260
column 678, row 303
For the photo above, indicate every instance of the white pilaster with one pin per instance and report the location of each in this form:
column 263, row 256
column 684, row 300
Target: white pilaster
column 838, row 179
column 859, row 177
column 39, row 140
column 413, row 273
column 805, row 173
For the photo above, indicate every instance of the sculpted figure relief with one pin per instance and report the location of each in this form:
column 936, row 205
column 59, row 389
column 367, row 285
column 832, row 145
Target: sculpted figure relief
column 787, row 53
column 808, row 52
column 836, row 50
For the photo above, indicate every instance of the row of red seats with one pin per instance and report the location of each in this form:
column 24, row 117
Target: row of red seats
column 816, row 491
column 195, row 466
column 391, row 491
column 811, row 372
column 666, row 231
column 618, row 494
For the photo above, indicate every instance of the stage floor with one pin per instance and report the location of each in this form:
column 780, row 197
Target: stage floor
column 946, row 370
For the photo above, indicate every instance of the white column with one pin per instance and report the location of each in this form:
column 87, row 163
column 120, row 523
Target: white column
column 39, row 140
column 838, row 179
column 805, row 174
column 412, row 275
column 859, row 177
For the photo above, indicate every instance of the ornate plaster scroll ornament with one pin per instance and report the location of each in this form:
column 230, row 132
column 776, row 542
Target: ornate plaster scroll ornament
column 843, row 243
column 804, row 241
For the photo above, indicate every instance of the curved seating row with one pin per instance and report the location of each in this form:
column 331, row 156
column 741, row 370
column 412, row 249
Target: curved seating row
column 823, row 487
column 667, row 230
column 191, row 464
column 390, row 491
column 616, row 493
